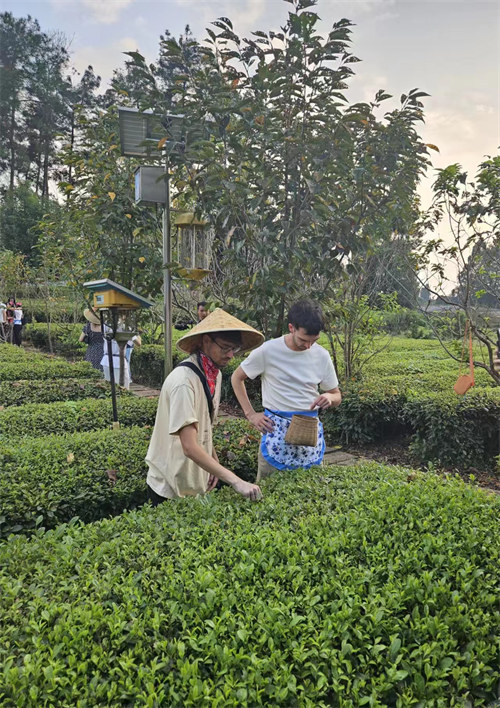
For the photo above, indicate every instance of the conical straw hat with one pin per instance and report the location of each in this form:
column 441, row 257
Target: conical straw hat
column 220, row 321
column 91, row 316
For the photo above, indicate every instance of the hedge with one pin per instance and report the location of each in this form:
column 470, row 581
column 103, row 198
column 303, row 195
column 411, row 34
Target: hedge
column 48, row 480
column 344, row 587
column 38, row 419
column 458, row 431
column 16, row 393
column 36, row 309
column 447, row 429
column 64, row 338
column 47, row 369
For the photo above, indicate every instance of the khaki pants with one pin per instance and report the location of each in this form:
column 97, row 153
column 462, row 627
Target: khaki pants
column 264, row 469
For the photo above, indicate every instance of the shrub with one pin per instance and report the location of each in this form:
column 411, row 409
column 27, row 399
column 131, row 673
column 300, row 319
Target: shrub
column 455, row 431
column 64, row 338
column 147, row 364
column 60, row 309
column 343, row 587
column 446, row 429
column 51, row 479
column 17, row 393
column 38, row 419
column 366, row 415
column 237, row 446
column 404, row 321
column 47, row 369
column 48, row 480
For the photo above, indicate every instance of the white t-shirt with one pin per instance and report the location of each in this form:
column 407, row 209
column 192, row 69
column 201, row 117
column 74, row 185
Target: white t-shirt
column 290, row 379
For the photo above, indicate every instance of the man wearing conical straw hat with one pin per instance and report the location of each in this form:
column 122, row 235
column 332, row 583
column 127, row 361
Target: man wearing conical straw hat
column 181, row 458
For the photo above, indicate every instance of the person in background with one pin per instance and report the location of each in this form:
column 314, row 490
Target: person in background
column 201, row 309
column 17, row 324
column 136, row 341
column 93, row 338
column 11, row 305
column 3, row 322
column 115, row 349
column 181, row 458
column 292, row 368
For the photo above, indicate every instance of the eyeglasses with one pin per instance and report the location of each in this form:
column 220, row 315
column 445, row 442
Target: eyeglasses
column 226, row 349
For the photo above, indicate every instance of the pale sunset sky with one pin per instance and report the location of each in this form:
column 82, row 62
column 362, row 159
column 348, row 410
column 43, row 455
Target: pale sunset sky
column 448, row 48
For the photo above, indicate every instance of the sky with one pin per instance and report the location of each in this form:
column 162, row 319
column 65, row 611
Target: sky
column 447, row 48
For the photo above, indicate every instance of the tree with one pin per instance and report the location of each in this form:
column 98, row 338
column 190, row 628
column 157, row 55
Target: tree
column 472, row 211
column 31, row 99
column 290, row 175
column 101, row 231
column 20, row 214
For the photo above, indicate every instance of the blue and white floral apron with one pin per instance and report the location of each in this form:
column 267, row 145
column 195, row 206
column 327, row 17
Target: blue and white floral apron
column 284, row 456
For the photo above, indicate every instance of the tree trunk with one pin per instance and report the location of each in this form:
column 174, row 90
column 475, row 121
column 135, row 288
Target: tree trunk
column 12, row 147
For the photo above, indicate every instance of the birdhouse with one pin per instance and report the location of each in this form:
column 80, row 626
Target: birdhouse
column 108, row 294
column 193, row 246
column 117, row 307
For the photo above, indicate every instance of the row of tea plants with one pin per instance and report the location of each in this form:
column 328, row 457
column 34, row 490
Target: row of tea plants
column 356, row 586
column 344, row 587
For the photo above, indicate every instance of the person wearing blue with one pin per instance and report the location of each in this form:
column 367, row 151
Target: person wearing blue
column 297, row 378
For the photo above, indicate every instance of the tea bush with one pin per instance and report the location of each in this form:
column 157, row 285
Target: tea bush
column 147, row 364
column 237, row 445
column 14, row 355
column 447, row 429
column 38, row 419
column 48, row 480
column 38, row 309
column 47, row 368
column 17, row 393
column 51, row 479
column 64, row 338
column 463, row 432
column 344, row 587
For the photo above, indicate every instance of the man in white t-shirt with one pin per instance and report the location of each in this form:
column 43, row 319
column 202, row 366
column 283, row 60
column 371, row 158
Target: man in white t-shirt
column 292, row 368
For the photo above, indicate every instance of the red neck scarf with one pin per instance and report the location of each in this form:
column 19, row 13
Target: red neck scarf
column 210, row 370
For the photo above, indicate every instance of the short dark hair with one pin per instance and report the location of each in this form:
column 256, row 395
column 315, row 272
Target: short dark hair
column 306, row 314
column 201, row 304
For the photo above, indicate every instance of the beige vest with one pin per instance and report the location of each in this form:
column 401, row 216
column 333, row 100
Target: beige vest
column 182, row 402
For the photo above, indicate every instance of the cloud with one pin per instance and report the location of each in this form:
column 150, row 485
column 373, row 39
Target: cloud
column 104, row 59
column 245, row 15
column 106, row 12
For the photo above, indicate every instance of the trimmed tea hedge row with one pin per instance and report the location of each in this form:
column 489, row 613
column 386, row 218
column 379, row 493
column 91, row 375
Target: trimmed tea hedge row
column 48, row 480
column 343, row 587
column 47, row 368
column 447, row 429
column 11, row 354
column 237, row 445
column 64, row 338
column 147, row 364
column 464, row 433
column 36, row 309
column 38, row 419
column 16, row 393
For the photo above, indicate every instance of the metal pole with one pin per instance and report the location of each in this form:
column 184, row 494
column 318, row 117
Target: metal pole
column 111, row 370
column 167, row 277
